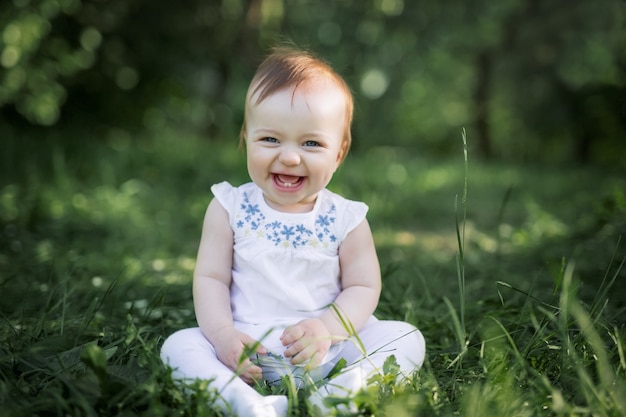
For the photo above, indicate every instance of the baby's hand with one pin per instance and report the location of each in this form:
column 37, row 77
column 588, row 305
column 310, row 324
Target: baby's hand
column 233, row 349
column 306, row 340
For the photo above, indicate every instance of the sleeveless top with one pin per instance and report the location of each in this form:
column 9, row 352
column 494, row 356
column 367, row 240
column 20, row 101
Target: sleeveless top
column 285, row 265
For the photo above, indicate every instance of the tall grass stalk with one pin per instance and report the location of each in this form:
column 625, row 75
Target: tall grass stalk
column 459, row 322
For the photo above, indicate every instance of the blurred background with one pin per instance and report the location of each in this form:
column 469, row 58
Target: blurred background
column 530, row 80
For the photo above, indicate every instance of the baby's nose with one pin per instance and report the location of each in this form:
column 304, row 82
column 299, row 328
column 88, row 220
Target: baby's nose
column 289, row 157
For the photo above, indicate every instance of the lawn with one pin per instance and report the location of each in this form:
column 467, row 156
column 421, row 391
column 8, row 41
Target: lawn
column 514, row 273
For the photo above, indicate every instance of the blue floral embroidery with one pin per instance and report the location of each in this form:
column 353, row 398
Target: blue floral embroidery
column 287, row 231
column 275, row 225
column 251, row 218
column 322, row 221
column 252, row 209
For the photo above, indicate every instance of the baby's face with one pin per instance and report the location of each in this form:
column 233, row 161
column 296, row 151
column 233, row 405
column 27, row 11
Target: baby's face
column 294, row 142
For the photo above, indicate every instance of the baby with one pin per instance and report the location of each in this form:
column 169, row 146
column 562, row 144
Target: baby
column 287, row 277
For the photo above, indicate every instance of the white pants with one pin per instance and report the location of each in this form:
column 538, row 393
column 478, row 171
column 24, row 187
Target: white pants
column 191, row 356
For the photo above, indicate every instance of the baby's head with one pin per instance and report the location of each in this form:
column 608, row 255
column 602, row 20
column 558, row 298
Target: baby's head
column 288, row 68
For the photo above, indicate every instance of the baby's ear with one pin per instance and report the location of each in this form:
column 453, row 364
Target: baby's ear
column 342, row 153
column 242, row 136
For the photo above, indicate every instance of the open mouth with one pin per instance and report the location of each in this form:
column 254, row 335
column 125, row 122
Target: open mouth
column 288, row 181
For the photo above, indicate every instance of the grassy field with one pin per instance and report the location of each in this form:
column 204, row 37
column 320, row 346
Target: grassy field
column 516, row 281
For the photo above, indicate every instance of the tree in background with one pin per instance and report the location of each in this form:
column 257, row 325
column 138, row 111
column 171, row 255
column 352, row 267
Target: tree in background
column 123, row 62
column 528, row 79
column 556, row 55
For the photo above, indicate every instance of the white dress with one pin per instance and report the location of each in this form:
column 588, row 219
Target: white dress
column 285, row 265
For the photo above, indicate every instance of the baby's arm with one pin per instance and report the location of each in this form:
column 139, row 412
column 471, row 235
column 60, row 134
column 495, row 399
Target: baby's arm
column 211, row 295
column 361, row 286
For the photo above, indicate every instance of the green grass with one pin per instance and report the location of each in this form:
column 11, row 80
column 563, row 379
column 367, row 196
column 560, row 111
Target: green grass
column 516, row 281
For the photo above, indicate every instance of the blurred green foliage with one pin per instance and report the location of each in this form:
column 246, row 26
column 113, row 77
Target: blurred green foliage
column 528, row 79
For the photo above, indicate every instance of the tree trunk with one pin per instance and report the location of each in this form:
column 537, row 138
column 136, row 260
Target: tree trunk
column 484, row 64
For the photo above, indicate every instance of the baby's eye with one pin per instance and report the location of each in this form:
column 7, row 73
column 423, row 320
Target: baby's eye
column 311, row 143
column 270, row 140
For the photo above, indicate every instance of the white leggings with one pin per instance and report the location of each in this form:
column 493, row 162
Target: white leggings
column 191, row 356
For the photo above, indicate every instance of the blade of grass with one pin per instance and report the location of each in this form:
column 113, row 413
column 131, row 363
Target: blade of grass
column 459, row 332
column 530, row 296
column 460, row 235
column 606, row 286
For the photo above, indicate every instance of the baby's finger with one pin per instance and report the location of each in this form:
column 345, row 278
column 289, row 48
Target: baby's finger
column 315, row 360
column 256, row 347
column 253, row 346
column 293, row 349
column 249, row 372
column 291, row 334
column 306, row 354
